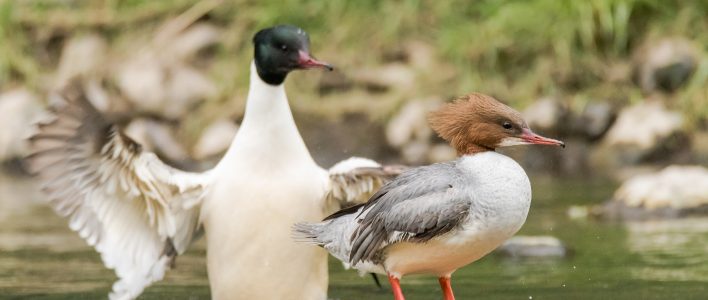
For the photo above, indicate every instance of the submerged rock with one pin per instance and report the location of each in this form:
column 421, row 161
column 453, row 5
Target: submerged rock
column 533, row 246
column 673, row 192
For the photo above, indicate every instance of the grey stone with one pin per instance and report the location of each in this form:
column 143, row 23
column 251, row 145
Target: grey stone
column 596, row 119
column 533, row 246
column 675, row 191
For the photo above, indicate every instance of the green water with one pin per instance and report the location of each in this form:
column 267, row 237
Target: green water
column 41, row 259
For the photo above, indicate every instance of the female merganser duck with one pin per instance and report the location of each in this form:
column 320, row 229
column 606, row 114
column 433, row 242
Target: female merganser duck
column 140, row 213
column 435, row 219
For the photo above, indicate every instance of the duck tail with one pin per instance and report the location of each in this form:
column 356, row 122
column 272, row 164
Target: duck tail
column 308, row 233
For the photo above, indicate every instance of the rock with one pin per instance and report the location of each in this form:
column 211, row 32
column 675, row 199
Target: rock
column 618, row 72
column 419, row 54
column 335, row 81
column 390, row 76
column 665, row 64
column 675, row 191
column 19, row 110
column 640, row 130
column 441, row 152
column 170, row 90
column 185, row 89
column 409, row 131
column 411, row 122
column 141, row 79
column 352, row 134
column 99, row 97
column 596, row 119
column 699, row 146
column 545, row 114
column 185, row 46
column 82, row 55
column 215, row 139
column 533, row 246
column 85, row 56
column 415, row 152
column 161, row 78
column 159, row 138
column 577, row 212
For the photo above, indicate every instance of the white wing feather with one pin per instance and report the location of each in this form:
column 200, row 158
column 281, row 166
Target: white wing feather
column 136, row 211
column 354, row 180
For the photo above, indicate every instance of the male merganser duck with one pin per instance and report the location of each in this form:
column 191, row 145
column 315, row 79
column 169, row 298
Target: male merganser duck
column 435, row 219
column 140, row 213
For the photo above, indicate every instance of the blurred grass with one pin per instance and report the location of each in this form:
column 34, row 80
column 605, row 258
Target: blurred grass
column 517, row 50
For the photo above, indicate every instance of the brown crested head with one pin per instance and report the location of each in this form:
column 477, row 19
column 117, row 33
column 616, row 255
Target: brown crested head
column 477, row 122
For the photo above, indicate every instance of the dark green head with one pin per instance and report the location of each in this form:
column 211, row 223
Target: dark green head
column 281, row 49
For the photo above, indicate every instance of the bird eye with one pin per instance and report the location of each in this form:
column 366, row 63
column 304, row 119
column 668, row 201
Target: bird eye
column 506, row 125
column 284, row 47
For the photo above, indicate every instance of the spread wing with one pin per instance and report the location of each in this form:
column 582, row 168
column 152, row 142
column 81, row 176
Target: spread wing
column 420, row 204
column 136, row 211
column 354, row 180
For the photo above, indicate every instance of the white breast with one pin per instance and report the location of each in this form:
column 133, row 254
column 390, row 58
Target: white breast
column 501, row 193
column 268, row 181
column 500, row 196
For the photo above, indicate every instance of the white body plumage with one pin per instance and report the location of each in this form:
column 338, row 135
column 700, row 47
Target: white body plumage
column 499, row 194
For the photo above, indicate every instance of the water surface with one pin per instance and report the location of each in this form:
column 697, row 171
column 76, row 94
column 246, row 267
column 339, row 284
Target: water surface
column 40, row 258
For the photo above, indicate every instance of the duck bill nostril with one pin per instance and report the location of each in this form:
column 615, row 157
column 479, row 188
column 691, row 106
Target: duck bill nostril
column 306, row 61
column 528, row 136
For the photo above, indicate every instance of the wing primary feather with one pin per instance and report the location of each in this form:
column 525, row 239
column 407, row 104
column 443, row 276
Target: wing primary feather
column 116, row 196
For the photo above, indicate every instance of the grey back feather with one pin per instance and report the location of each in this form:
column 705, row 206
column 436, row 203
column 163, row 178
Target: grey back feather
column 420, row 204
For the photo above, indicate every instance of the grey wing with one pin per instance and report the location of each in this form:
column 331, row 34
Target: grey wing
column 420, row 204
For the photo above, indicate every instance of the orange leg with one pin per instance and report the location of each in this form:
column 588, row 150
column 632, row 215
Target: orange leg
column 446, row 288
column 396, row 288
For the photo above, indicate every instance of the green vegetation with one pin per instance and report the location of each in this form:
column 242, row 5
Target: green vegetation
column 518, row 50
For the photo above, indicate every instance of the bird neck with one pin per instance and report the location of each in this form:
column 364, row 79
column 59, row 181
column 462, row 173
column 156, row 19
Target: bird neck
column 470, row 149
column 265, row 101
column 268, row 130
